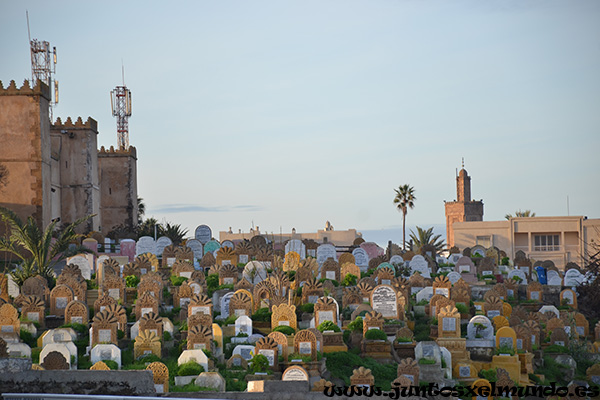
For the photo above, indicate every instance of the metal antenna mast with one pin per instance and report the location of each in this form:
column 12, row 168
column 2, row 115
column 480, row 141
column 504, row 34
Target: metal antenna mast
column 43, row 65
column 120, row 103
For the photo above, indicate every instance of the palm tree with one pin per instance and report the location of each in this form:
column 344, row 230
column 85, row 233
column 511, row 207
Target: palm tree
column 405, row 199
column 174, row 232
column 141, row 210
column 423, row 237
column 526, row 214
column 33, row 247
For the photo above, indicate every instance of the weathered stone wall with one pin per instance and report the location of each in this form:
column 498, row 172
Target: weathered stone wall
column 25, row 150
column 118, row 187
column 125, row 383
column 76, row 145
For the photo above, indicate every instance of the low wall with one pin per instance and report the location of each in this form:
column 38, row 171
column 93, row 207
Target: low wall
column 125, row 383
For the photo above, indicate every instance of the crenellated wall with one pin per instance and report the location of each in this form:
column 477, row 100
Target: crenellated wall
column 76, row 146
column 118, row 187
column 25, row 150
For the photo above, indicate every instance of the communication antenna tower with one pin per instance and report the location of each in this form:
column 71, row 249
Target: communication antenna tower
column 43, row 65
column 120, row 103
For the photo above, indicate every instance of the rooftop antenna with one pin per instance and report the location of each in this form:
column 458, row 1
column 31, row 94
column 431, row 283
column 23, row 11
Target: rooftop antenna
column 120, row 103
column 43, row 65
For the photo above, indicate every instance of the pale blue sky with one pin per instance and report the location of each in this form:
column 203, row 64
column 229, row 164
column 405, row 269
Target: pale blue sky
column 291, row 113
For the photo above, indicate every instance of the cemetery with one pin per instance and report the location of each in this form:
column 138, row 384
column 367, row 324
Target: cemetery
column 252, row 315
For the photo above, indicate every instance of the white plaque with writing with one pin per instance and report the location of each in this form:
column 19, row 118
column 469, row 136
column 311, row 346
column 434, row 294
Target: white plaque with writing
column 449, row 324
column 305, row 348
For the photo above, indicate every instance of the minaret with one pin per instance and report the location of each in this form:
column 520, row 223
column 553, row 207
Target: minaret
column 463, row 209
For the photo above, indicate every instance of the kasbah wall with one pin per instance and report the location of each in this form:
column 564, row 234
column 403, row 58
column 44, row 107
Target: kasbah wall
column 56, row 170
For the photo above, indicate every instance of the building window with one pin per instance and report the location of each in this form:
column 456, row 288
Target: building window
column 546, row 243
column 485, row 241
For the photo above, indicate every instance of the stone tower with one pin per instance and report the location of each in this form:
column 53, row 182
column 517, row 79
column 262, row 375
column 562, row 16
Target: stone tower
column 75, row 161
column 118, row 187
column 463, row 209
column 25, row 151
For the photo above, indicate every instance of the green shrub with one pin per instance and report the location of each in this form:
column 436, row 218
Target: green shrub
column 212, row 282
column 426, row 361
column 349, row 280
column 356, row 325
column 404, row 340
column 189, row 368
column 556, row 348
column 149, row 358
column 120, row 334
column 307, row 308
column 28, row 338
column 462, row 308
column 504, row 261
column 166, row 336
column 328, row 326
column 259, row 363
column 262, row 315
column 230, row 320
column 375, row 334
column 132, row 281
column 177, row 280
column 342, row 364
column 298, row 356
column 505, row 350
column 489, row 374
column 111, row 364
column 286, row 330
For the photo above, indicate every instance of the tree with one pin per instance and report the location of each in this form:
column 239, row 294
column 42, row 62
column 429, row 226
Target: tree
column 174, row 232
column 33, row 247
column 3, row 175
column 526, row 214
column 405, row 199
column 141, row 210
column 423, row 237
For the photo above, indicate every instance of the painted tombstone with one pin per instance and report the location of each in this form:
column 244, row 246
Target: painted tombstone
column 330, row 270
column 448, row 322
column 255, row 272
column 534, row 291
column 385, row 301
column 104, row 328
column 243, row 325
column 161, row 243
column 297, row 246
column 305, row 343
column 326, row 309
column 361, row 258
column 326, row 251
column 241, row 303
column 196, row 247
column 60, row 296
column 76, row 312
column 203, row 234
column 145, row 244
column 284, row 315
column 419, row 264
column 268, row 348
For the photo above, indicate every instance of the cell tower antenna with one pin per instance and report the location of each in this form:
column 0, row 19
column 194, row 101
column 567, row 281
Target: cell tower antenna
column 120, row 103
column 43, row 65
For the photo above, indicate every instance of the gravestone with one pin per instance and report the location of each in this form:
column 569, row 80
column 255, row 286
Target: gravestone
column 384, row 300
column 425, row 294
column 484, row 331
column 145, row 244
column 196, row 247
column 198, row 356
column 255, row 272
column 245, row 351
column 361, row 258
column 419, row 264
column 84, row 262
column 297, row 246
column 324, row 252
column 211, row 247
column 224, row 303
column 243, row 325
column 161, row 243
column 295, row 373
column 103, row 352
column 453, row 277
column 203, row 234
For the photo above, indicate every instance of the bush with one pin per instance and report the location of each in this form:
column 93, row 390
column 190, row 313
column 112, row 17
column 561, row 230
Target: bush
column 489, row 374
column 307, row 308
column 189, row 368
column 212, row 282
column 342, row 364
column 28, row 338
column 462, row 308
column 262, row 315
column 259, row 363
column 504, row 261
column 556, row 348
column 349, row 280
column 177, row 280
column 328, row 326
column 505, row 350
column 286, row 330
column 132, row 281
column 404, row 340
column 111, row 364
column 375, row 334
column 120, row 334
column 298, row 356
column 356, row 325
column 166, row 336
column 230, row 320
column 426, row 361
column 149, row 358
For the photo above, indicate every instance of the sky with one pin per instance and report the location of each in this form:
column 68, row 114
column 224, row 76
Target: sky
column 288, row 114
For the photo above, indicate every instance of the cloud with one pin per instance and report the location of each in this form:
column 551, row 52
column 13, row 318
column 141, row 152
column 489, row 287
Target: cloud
column 185, row 208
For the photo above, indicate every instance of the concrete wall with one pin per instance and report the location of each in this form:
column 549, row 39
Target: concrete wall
column 118, row 187
column 338, row 238
column 25, row 151
column 125, row 383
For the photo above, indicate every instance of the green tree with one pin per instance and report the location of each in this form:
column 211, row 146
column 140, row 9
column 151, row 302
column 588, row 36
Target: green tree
column 146, row 228
column 404, row 199
column 423, row 237
column 174, row 232
column 526, row 214
column 33, row 247
column 141, row 210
